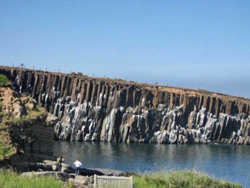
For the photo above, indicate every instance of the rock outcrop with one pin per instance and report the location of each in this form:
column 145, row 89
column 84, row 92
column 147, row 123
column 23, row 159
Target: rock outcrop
column 26, row 130
column 67, row 173
column 93, row 109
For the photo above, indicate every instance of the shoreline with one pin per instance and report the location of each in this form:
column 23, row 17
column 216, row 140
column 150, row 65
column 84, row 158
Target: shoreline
column 157, row 179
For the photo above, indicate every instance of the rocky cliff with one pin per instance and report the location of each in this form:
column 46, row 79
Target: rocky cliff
column 94, row 109
column 26, row 130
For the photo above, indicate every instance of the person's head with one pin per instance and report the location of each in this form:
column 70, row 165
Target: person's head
column 61, row 157
column 77, row 160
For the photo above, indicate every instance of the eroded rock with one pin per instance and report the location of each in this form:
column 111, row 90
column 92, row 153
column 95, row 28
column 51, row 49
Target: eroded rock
column 99, row 110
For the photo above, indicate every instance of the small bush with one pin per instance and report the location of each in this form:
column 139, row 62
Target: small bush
column 120, row 80
column 3, row 80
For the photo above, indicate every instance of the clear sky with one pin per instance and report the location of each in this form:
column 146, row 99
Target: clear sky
column 194, row 44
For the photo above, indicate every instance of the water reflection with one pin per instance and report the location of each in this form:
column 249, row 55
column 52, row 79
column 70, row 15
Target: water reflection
column 222, row 161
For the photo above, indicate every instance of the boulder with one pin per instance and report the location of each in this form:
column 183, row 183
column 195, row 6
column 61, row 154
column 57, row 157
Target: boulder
column 51, row 119
column 58, row 175
column 82, row 182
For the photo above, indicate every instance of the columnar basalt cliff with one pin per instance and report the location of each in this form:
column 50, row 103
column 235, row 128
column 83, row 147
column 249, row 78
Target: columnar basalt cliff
column 94, row 109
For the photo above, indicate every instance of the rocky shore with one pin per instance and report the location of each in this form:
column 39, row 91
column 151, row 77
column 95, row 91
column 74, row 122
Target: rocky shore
column 67, row 173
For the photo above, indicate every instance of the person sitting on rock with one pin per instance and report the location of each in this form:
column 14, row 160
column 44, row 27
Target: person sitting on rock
column 77, row 164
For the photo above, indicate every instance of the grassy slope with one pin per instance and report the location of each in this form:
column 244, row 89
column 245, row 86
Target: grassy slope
column 13, row 180
column 179, row 179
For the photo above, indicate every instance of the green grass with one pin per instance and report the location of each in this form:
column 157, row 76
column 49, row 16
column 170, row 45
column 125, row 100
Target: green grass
column 6, row 148
column 170, row 179
column 13, row 180
column 179, row 179
column 6, row 151
column 3, row 80
column 29, row 117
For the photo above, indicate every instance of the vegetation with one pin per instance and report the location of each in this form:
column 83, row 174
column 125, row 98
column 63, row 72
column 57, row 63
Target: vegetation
column 6, row 148
column 12, row 180
column 3, row 80
column 204, row 91
column 78, row 75
column 29, row 117
column 179, row 179
column 172, row 179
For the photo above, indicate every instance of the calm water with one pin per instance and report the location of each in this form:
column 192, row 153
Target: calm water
column 226, row 162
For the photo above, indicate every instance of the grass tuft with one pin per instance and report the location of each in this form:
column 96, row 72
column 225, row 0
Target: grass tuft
column 178, row 179
column 13, row 180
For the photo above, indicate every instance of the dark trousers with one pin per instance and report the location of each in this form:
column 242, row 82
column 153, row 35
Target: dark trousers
column 60, row 167
column 77, row 170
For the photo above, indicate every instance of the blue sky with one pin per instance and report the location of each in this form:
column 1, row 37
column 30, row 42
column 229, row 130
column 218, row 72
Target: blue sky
column 193, row 44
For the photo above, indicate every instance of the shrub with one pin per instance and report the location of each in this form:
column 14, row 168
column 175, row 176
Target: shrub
column 3, row 80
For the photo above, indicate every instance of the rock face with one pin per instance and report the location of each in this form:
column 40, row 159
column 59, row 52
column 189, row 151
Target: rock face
column 92, row 109
column 26, row 129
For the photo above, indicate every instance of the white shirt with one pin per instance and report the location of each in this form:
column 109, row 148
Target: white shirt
column 77, row 164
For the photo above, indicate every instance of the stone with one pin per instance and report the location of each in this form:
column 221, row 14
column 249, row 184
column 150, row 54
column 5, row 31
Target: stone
column 76, row 184
column 118, row 111
column 33, row 166
column 51, row 119
column 18, row 110
column 173, row 137
column 82, row 181
column 58, row 175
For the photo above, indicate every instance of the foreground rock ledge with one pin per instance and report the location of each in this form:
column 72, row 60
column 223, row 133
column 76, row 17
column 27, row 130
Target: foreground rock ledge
column 50, row 168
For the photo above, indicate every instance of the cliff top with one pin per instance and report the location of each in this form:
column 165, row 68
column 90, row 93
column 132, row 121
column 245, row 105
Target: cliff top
column 170, row 89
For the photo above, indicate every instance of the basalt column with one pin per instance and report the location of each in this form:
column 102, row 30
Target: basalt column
column 95, row 109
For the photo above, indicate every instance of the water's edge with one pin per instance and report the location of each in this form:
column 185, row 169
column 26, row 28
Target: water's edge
column 227, row 162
